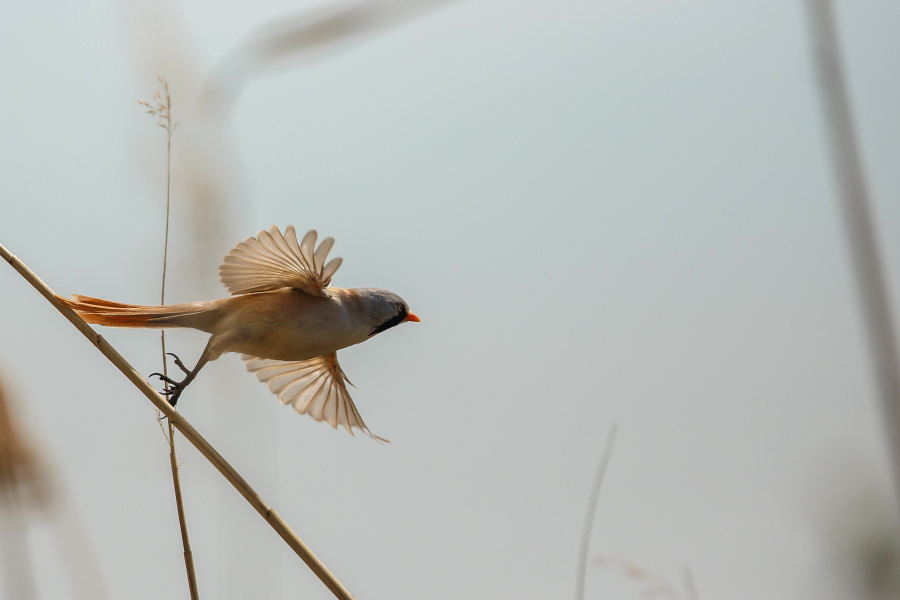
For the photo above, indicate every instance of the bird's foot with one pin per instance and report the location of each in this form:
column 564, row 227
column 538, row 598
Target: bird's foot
column 174, row 388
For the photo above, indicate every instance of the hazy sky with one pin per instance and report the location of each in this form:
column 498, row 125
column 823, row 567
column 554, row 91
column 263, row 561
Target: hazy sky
column 604, row 212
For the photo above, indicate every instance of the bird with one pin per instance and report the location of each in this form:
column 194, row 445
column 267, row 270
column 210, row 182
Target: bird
column 282, row 316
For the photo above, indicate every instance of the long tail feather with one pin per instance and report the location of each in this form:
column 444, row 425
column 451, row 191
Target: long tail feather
column 198, row 315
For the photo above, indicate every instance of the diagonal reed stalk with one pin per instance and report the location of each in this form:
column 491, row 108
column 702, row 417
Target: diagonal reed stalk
column 859, row 224
column 162, row 110
column 186, row 429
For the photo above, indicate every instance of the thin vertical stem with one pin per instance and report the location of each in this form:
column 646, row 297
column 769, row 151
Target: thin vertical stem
column 591, row 510
column 690, row 587
column 164, row 112
column 182, row 523
column 858, row 224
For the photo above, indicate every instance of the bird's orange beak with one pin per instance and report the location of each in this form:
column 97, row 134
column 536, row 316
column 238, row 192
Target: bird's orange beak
column 413, row 318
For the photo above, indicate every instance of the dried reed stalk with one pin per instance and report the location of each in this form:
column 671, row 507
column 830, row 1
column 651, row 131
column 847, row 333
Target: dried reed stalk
column 162, row 110
column 186, row 429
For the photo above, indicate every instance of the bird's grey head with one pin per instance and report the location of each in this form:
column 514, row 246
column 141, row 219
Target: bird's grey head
column 386, row 309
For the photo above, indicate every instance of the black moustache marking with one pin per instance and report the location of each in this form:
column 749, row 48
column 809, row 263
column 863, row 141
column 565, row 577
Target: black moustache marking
column 392, row 322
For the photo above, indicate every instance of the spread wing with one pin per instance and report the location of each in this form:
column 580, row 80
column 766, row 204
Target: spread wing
column 314, row 387
column 271, row 261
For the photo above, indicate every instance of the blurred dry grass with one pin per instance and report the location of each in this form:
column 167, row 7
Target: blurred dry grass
column 29, row 496
column 24, row 478
column 25, row 490
column 299, row 38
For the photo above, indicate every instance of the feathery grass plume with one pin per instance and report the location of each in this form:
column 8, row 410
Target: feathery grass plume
column 161, row 107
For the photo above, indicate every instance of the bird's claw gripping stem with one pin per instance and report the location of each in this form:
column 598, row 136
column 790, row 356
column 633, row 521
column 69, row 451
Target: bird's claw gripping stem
column 172, row 393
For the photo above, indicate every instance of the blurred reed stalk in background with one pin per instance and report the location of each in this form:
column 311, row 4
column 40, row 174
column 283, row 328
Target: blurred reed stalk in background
column 652, row 585
column 859, row 223
column 24, row 486
column 588, row 525
column 307, row 35
column 30, row 496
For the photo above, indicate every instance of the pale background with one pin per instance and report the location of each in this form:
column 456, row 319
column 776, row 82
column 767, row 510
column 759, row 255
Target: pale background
column 604, row 212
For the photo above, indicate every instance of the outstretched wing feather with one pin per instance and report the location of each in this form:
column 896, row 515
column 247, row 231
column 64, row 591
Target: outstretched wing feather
column 271, row 261
column 315, row 387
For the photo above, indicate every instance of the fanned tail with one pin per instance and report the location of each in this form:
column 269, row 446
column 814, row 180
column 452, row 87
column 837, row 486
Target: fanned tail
column 197, row 315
